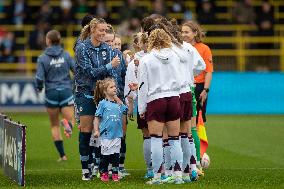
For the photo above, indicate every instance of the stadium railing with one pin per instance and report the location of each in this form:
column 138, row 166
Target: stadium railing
column 240, row 47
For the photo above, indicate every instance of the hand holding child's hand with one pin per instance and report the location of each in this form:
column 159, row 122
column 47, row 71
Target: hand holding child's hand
column 133, row 86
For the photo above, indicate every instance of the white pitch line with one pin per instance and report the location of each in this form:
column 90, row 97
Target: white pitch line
column 248, row 168
column 39, row 170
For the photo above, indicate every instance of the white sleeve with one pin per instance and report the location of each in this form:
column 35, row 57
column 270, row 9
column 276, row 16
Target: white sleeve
column 132, row 77
column 198, row 62
column 128, row 76
column 143, row 88
column 126, row 87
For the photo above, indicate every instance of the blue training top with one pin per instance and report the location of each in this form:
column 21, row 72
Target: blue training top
column 92, row 64
column 110, row 114
column 119, row 73
column 53, row 68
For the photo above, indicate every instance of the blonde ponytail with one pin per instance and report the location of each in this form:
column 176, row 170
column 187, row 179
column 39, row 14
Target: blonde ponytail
column 85, row 32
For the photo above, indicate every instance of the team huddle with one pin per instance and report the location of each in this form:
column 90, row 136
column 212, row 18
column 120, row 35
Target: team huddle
column 168, row 73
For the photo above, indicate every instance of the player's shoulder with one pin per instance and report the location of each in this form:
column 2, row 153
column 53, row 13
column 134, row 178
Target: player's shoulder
column 41, row 56
column 131, row 64
column 203, row 46
column 106, row 46
column 66, row 54
column 81, row 46
column 102, row 103
column 147, row 57
column 187, row 46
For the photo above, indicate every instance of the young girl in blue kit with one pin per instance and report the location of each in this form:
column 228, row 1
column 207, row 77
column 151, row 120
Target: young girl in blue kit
column 109, row 126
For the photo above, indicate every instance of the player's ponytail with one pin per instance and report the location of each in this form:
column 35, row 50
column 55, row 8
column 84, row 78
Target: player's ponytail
column 136, row 38
column 143, row 39
column 85, row 32
column 176, row 30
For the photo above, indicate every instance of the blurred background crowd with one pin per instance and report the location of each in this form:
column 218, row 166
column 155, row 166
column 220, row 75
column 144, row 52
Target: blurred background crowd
column 245, row 35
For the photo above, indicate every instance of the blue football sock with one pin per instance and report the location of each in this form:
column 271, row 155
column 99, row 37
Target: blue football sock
column 84, row 149
column 59, row 146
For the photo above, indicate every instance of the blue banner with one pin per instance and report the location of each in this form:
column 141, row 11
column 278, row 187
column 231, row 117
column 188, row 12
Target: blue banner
column 14, row 151
column 19, row 93
column 230, row 93
column 246, row 93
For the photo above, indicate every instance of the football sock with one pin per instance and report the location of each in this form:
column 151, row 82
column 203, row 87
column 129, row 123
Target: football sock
column 114, row 159
column 90, row 162
column 157, row 154
column 122, row 152
column 105, row 160
column 59, row 146
column 176, row 155
column 84, row 148
column 97, row 152
column 185, row 149
column 147, row 152
column 167, row 157
column 196, row 142
column 192, row 153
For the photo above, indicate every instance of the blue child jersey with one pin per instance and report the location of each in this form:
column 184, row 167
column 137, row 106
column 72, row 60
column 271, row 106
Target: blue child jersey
column 110, row 114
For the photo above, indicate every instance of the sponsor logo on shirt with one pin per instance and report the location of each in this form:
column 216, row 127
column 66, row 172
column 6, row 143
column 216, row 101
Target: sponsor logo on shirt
column 57, row 62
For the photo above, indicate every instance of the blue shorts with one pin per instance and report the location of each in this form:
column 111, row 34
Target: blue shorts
column 85, row 105
column 58, row 98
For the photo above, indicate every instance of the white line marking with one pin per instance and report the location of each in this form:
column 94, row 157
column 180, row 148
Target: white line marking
column 248, row 168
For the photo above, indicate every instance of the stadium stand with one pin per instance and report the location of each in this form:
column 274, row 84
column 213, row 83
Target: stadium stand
column 236, row 46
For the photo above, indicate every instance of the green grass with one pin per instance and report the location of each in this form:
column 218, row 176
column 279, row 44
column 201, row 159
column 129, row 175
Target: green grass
column 245, row 152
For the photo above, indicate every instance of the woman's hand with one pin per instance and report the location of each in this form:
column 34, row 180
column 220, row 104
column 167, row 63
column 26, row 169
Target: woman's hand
column 115, row 61
column 133, row 86
column 203, row 97
column 96, row 134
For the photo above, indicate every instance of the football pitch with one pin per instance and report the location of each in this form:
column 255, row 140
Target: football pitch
column 245, row 152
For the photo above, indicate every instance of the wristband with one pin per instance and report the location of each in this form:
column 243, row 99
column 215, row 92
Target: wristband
column 206, row 90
